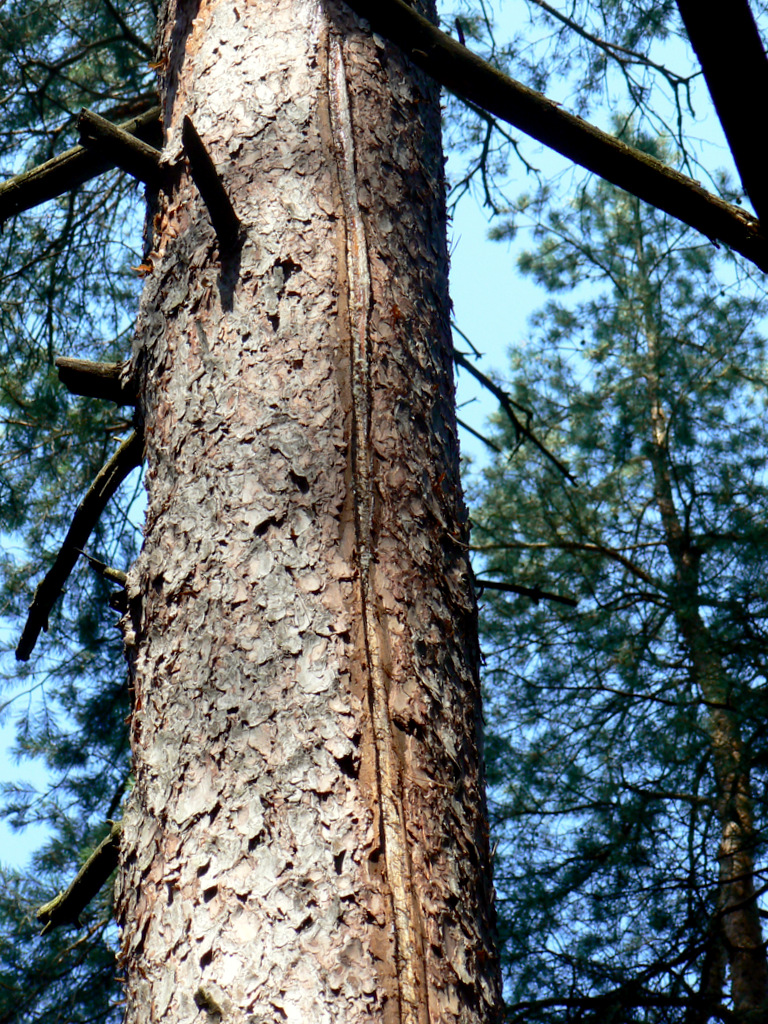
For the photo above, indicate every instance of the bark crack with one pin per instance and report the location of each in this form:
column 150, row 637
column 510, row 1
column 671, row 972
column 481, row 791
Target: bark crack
column 410, row 967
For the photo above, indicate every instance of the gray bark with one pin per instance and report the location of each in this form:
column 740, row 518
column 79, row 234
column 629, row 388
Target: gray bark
column 306, row 838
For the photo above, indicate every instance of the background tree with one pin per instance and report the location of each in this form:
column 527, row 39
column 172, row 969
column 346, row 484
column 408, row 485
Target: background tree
column 628, row 734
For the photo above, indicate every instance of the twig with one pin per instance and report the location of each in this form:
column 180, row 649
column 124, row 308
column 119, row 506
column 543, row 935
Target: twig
column 223, row 217
column 124, row 149
column 536, row 594
column 69, row 170
column 619, row 53
column 126, row 458
column 507, row 405
column 96, row 380
column 461, row 334
column 113, row 575
column 470, row 77
column 486, row 441
column 68, row 905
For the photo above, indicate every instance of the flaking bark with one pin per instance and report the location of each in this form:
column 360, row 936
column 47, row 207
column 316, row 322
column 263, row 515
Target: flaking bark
column 306, row 839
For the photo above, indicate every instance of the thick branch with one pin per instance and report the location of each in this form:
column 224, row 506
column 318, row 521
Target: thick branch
column 223, row 217
column 472, row 78
column 69, row 170
column 92, row 876
column 731, row 54
column 123, row 149
column 126, row 458
column 506, row 403
column 95, row 380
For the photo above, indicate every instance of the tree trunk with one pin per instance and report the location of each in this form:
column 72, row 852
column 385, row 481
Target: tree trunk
column 737, row 925
column 306, row 839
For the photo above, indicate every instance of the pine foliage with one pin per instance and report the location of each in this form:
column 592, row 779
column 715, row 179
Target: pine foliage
column 647, row 376
column 65, row 285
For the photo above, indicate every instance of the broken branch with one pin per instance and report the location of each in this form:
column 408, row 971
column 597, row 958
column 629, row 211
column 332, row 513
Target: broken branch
column 470, row 77
column 125, row 150
column 223, row 217
column 126, row 458
column 104, row 570
column 95, row 380
column 89, row 880
column 69, row 170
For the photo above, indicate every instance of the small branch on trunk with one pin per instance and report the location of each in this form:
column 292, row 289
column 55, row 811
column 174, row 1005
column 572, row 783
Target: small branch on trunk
column 69, row 170
column 96, row 380
column 507, row 405
column 89, row 880
column 223, row 217
column 536, row 594
column 126, row 458
column 124, row 149
column 470, row 77
column 113, row 575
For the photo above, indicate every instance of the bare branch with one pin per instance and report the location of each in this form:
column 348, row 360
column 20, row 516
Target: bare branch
column 475, row 433
column 733, row 60
column 96, row 380
column 126, row 458
column 130, row 35
column 565, row 545
column 89, row 880
column 536, row 594
column 69, row 170
column 507, row 405
column 223, row 217
column 124, row 149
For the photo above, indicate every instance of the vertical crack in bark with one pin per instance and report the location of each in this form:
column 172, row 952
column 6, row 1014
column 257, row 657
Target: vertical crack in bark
column 410, row 971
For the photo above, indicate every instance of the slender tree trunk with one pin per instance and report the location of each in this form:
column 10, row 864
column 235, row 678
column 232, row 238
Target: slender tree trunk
column 738, row 920
column 306, row 840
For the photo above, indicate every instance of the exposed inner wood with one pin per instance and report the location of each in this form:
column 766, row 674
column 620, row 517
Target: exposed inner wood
column 410, row 968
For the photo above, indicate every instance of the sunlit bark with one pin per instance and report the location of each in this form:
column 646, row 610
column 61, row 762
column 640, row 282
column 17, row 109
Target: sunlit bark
column 306, row 839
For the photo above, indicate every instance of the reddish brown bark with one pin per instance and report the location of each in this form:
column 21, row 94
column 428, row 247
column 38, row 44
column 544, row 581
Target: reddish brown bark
column 306, row 839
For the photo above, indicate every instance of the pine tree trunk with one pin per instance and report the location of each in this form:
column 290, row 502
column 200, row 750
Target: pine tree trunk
column 306, row 840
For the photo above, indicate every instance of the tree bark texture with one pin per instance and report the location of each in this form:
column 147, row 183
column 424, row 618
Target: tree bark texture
column 306, row 840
